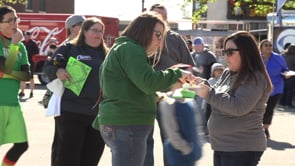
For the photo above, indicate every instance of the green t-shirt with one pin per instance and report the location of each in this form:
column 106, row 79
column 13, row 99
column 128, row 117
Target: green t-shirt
column 9, row 87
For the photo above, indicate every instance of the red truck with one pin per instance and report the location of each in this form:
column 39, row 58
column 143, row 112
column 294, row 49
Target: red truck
column 44, row 27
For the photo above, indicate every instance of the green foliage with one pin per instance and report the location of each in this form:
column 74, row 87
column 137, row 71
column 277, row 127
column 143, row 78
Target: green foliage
column 258, row 7
column 199, row 8
column 7, row 2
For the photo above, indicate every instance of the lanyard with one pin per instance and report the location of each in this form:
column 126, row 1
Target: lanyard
column 4, row 40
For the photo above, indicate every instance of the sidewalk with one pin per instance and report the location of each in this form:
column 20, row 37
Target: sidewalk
column 280, row 151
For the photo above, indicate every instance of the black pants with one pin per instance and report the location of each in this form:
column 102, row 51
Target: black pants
column 271, row 104
column 287, row 96
column 243, row 158
column 15, row 152
column 75, row 142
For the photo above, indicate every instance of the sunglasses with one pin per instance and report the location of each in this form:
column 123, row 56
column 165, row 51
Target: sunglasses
column 230, row 51
column 158, row 34
column 267, row 45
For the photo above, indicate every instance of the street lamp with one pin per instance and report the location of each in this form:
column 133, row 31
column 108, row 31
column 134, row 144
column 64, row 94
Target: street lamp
column 142, row 6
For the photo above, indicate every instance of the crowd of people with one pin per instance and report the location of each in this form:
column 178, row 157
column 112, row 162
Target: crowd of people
column 125, row 89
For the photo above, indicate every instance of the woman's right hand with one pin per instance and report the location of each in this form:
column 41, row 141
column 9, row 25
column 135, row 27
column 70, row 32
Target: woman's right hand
column 17, row 36
column 62, row 74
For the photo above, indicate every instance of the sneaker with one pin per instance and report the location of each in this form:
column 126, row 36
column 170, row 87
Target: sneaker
column 31, row 95
column 21, row 94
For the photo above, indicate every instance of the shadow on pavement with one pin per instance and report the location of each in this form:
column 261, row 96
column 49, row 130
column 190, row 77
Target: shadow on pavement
column 40, row 86
column 276, row 145
column 289, row 110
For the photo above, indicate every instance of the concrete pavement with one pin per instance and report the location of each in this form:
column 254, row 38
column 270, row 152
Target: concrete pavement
column 280, row 151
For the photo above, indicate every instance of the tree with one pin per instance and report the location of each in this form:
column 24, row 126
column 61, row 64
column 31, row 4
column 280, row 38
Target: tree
column 199, row 8
column 5, row 2
column 258, row 8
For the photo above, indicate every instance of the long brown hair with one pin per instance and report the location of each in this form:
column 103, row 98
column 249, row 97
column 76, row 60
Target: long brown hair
column 251, row 60
column 141, row 29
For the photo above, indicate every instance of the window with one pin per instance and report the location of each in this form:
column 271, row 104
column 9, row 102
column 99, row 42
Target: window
column 29, row 5
column 42, row 6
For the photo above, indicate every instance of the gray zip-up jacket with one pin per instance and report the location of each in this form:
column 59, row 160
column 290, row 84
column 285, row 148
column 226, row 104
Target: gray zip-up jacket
column 235, row 123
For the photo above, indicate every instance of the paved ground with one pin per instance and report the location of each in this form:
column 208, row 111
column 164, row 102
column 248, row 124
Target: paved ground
column 280, row 151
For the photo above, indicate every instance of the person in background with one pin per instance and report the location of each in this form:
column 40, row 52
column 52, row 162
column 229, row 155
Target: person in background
column 289, row 83
column 73, row 26
column 14, row 68
column 75, row 142
column 175, row 51
column 238, row 103
column 32, row 49
column 52, row 48
column 203, row 57
column 129, row 85
column 216, row 71
column 276, row 66
column 51, row 41
column 189, row 45
column 285, row 48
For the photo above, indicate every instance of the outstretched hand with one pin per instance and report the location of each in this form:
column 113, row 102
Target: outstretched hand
column 187, row 77
column 201, row 89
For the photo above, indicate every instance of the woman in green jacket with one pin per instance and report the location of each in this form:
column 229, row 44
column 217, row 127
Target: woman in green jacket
column 129, row 82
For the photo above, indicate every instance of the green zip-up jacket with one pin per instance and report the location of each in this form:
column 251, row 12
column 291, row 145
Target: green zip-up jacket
column 128, row 84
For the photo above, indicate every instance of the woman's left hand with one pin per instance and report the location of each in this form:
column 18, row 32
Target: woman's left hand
column 201, row 89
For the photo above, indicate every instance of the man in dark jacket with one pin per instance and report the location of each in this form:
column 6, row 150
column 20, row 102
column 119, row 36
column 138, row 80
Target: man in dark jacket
column 32, row 49
column 175, row 51
column 203, row 57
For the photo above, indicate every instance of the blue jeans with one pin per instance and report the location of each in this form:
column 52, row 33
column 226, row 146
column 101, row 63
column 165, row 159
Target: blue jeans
column 244, row 158
column 127, row 143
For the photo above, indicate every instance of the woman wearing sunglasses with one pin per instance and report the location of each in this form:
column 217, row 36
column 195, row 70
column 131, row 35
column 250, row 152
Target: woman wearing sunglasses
column 276, row 66
column 129, row 82
column 238, row 104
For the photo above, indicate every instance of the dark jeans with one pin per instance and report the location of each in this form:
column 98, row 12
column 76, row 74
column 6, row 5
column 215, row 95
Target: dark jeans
column 76, row 143
column 287, row 96
column 244, row 158
column 271, row 104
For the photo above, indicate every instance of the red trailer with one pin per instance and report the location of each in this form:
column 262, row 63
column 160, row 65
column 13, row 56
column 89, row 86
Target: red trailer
column 47, row 26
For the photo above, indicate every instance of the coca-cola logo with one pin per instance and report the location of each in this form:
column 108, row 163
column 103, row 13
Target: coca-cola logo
column 44, row 42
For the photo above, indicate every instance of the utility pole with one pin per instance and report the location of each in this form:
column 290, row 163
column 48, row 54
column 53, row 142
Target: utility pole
column 142, row 6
